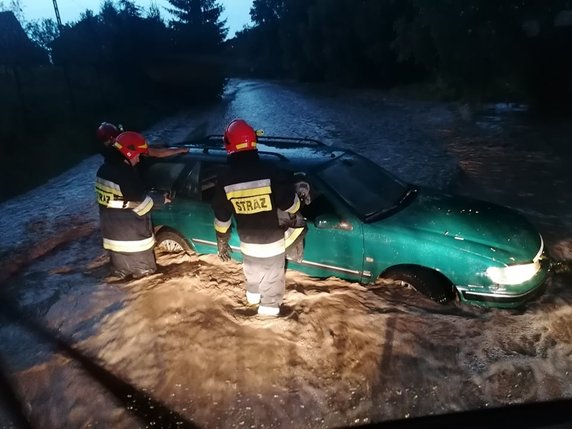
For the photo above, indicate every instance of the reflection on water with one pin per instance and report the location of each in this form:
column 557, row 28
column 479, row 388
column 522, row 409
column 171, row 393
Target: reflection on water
column 511, row 158
column 498, row 116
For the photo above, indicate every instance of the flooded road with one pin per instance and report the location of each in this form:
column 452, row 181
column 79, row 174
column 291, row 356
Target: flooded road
column 181, row 348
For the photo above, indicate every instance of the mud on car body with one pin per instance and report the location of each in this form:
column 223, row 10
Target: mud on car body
column 365, row 224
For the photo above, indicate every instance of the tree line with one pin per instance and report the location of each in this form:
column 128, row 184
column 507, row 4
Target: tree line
column 480, row 49
column 128, row 64
column 139, row 47
column 121, row 64
column 475, row 49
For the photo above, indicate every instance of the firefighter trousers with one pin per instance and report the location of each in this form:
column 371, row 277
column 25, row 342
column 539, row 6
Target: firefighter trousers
column 138, row 264
column 265, row 276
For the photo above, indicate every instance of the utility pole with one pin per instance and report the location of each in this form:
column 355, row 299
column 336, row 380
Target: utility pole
column 57, row 11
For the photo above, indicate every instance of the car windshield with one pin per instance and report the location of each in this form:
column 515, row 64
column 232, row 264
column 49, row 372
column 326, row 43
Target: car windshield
column 364, row 185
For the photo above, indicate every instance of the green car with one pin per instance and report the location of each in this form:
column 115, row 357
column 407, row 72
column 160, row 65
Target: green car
column 364, row 224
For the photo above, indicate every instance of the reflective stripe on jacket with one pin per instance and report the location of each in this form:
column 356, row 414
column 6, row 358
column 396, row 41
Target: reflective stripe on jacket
column 124, row 208
column 109, row 195
column 252, row 191
column 291, row 234
column 265, row 250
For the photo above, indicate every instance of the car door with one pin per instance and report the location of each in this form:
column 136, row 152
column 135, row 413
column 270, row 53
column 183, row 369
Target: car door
column 161, row 177
column 194, row 217
column 333, row 245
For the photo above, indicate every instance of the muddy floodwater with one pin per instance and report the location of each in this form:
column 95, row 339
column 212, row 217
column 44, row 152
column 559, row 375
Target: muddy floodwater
column 182, row 348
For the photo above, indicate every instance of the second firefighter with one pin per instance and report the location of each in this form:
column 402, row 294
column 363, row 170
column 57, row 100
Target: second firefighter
column 124, row 208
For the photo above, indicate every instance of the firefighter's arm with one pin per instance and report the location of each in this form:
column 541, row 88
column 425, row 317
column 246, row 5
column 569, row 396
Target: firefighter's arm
column 295, row 227
column 223, row 248
column 135, row 195
column 222, row 223
column 291, row 192
column 163, row 152
column 286, row 198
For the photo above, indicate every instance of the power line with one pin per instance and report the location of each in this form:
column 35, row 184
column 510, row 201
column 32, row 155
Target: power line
column 57, row 11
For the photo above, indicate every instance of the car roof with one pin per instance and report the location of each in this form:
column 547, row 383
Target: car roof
column 289, row 153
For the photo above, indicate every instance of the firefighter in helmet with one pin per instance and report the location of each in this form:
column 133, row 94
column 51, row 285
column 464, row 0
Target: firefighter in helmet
column 253, row 192
column 124, row 208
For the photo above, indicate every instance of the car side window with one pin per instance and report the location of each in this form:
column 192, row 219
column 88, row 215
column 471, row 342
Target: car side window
column 161, row 176
column 322, row 212
column 208, row 179
column 188, row 185
column 320, row 205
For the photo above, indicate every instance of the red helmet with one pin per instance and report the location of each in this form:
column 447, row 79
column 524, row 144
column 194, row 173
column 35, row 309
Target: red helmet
column 131, row 144
column 239, row 136
column 107, row 132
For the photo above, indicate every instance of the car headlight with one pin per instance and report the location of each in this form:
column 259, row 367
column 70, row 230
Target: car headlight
column 513, row 274
column 516, row 274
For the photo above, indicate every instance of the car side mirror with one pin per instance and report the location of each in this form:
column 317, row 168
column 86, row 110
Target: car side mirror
column 331, row 221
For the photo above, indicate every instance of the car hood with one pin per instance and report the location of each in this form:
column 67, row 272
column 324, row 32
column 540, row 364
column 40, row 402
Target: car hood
column 470, row 225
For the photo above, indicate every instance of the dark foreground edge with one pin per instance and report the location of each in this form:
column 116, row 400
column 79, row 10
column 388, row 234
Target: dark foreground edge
column 539, row 415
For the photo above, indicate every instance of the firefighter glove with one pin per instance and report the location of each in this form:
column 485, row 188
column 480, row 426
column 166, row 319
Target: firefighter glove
column 303, row 191
column 223, row 246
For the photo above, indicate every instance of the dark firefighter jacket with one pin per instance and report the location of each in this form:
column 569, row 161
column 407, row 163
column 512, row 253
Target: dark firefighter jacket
column 252, row 192
column 123, row 208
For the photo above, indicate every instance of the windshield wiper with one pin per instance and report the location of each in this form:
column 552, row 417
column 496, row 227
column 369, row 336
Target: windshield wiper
column 405, row 199
column 411, row 190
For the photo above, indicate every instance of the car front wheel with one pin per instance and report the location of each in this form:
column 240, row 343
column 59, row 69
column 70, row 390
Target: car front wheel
column 428, row 282
column 172, row 242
